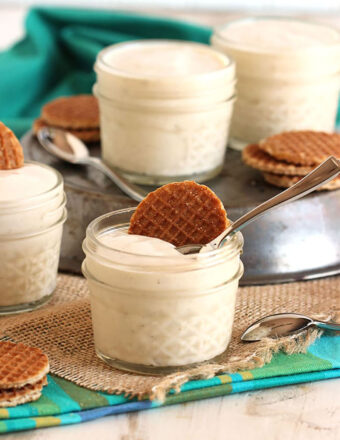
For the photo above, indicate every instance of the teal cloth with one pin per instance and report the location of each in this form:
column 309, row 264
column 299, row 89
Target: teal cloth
column 56, row 56
column 64, row 403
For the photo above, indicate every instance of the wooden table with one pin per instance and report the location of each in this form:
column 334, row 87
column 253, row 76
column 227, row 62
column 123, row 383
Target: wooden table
column 302, row 412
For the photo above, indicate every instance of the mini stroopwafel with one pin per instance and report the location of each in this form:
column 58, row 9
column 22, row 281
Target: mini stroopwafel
column 21, row 365
column 180, row 213
column 302, row 147
column 17, row 396
column 11, row 154
column 287, row 181
column 253, row 156
column 72, row 112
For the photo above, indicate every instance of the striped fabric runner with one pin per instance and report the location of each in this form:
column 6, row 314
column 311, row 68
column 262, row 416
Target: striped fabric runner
column 64, row 403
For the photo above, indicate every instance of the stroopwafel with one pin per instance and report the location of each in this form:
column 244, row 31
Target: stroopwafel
column 253, row 156
column 11, row 154
column 78, row 112
column 180, row 213
column 21, row 365
column 17, row 396
column 302, row 147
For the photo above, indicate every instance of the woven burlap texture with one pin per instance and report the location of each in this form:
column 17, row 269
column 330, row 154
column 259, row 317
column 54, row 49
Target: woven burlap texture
column 63, row 330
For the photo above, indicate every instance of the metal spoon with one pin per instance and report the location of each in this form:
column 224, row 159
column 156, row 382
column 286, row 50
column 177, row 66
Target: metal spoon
column 283, row 324
column 67, row 147
column 329, row 169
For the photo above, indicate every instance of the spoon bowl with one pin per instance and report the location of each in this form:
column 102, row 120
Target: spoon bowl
column 69, row 148
column 281, row 325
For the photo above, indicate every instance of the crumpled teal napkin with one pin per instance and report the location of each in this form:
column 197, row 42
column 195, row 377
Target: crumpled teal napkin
column 57, row 54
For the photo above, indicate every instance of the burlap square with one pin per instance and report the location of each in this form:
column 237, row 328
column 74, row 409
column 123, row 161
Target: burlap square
column 62, row 329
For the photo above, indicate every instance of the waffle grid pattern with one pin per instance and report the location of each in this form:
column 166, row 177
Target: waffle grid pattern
column 302, row 147
column 256, row 158
column 180, row 213
column 21, row 365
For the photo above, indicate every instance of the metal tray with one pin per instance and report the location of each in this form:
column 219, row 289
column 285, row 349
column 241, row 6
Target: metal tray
column 298, row 241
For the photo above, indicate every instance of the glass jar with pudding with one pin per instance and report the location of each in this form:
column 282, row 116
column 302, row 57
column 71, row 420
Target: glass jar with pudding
column 165, row 108
column 155, row 310
column 288, row 76
column 32, row 213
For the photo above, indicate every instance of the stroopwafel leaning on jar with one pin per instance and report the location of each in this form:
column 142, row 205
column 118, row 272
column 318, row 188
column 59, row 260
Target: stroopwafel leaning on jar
column 285, row 158
column 32, row 213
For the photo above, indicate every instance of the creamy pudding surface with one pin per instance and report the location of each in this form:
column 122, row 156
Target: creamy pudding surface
column 28, row 181
column 164, row 59
column 278, row 34
column 152, row 306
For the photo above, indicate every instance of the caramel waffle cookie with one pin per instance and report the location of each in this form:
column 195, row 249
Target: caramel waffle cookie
column 78, row 112
column 256, row 158
column 11, row 154
column 180, row 213
column 302, row 147
column 21, row 365
column 90, row 135
column 17, row 396
column 287, row 181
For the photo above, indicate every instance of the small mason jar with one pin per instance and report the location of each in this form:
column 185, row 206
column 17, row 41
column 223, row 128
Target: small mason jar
column 158, row 314
column 288, row 76
column 32, row 213
column 165, row 108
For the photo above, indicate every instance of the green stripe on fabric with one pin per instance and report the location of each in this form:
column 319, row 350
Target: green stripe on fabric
column 203, row 393
column 85, row 398
column 45, row 406
column 282, row 365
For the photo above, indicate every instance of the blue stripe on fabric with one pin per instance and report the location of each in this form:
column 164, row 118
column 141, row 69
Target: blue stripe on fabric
column 92, row 414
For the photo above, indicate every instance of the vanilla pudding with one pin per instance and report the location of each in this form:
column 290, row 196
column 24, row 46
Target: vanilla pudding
column 32, row 212
column 152, row 307
column 287, row 76
column 165, row 108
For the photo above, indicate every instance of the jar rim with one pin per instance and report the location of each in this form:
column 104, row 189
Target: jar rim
column 35, row 198
column 99, row 95
column 231, row 246
column 272, row 51
column 228, row 62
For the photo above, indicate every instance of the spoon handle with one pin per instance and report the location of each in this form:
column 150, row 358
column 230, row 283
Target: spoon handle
column 329, row 169
column 128, row 188
column 327, row 325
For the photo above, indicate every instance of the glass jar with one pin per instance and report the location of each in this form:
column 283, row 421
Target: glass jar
column 288, row 76
column 30, row 236
column 165, row 108
column 157, row 314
